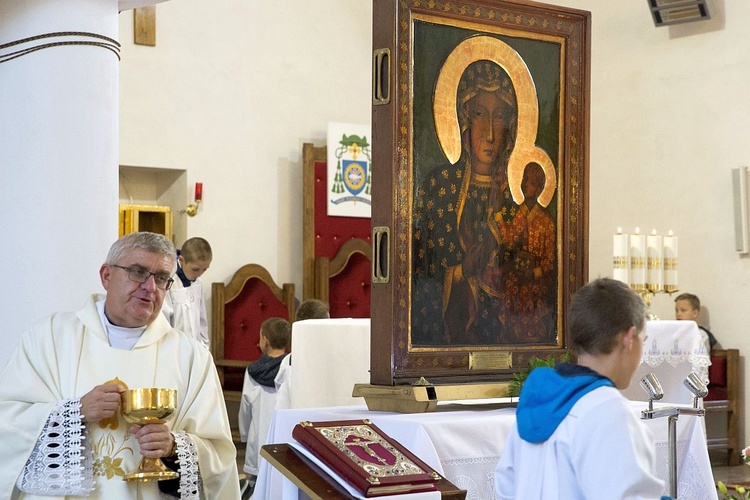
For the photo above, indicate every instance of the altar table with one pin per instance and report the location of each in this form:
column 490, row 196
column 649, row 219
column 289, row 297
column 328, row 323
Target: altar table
column 672, row 350
column 464, row 445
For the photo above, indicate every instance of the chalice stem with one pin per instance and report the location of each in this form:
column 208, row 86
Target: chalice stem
column 151, row 469
column 152, row 465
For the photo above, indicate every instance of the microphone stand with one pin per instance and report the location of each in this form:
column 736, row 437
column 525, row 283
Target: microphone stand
column 672, row 413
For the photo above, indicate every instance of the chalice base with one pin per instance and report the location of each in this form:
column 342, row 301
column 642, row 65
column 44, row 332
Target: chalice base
column 151, row 469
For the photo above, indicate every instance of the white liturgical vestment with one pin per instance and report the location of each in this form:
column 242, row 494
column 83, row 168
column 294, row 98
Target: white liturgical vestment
column 256, row 412
column 599, row 450
column 61, row 359
column 186, row 311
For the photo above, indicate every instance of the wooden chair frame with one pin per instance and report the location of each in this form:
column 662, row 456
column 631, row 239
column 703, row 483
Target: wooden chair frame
column 310, row 156
column 223, row 294
column 326, row 269
column 317, row 271
column 730, row 406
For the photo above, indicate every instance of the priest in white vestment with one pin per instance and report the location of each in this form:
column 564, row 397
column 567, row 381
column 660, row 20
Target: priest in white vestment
column 62, row 432
column 576, row 436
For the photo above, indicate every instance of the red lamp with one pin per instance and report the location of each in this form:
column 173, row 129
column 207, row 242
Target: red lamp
column 192, row 209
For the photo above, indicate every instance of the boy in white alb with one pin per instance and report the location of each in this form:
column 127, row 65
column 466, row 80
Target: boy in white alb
column 688, row 307
column 576, row 436
column 183, row 306
column 259, row 391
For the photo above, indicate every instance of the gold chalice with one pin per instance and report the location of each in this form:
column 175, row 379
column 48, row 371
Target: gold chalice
column 149, row 406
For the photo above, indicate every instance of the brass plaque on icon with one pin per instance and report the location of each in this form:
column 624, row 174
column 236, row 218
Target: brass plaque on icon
column 490, row 360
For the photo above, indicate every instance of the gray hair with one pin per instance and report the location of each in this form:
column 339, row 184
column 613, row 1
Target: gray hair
column 600, row 311
column 150, row 242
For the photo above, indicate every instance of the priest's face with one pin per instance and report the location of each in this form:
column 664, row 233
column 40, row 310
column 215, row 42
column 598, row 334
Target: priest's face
column 131, row 304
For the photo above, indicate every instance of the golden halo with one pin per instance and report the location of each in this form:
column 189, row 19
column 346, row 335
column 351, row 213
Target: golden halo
column 480, row 48
column 516, row 167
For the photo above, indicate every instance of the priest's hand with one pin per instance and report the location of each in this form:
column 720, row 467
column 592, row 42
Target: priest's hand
column 101, row 402
column 154, row 440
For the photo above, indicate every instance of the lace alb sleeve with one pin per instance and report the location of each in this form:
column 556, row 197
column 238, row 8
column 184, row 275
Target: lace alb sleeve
column 60, row 464
column 191, row 487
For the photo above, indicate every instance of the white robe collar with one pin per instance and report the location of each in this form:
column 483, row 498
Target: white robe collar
column 89, row 316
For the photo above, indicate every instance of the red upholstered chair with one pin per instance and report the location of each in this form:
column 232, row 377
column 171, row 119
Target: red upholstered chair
column 723, row 394
column 349, row 274
column 238, row 310
column 337, row 251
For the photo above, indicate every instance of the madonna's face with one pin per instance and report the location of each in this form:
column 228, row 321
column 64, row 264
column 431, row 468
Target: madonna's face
column 488, row 128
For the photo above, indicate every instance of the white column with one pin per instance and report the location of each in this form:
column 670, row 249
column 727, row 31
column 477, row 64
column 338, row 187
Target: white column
column 58, row 159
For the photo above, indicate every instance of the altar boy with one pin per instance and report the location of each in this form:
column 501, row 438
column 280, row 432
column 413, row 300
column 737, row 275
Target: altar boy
column 576, row 436
column 183, row 305
column 259, row 392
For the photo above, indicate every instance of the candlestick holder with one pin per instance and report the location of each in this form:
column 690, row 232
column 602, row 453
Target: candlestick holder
column 192, row 209
column 649, row 291
column 648, row 263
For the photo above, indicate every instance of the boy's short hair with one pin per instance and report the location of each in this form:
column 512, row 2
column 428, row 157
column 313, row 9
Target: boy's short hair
column 278, row 331
column 311, row 309
column 600, row 311
column 196, row 249
column 694, row 301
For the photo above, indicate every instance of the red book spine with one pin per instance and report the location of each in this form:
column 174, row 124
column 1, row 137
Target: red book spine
column 327, row 452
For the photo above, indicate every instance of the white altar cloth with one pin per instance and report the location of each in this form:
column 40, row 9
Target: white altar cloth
column 464, row 445
column 329, row 356
column 672, row 350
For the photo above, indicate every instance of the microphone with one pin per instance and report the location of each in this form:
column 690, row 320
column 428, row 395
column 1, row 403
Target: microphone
column 650, row 384
column 696, row 386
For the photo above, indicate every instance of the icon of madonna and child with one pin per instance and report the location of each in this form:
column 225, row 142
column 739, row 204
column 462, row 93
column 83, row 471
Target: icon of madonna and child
column 484, row 241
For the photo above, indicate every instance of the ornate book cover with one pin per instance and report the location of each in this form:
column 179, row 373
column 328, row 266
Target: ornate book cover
column 370, row 460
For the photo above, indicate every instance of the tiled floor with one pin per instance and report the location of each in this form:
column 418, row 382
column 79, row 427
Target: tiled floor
column 240, row 455
column 731, row 475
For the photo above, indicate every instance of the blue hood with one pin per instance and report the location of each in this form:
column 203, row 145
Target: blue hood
column 548, row 395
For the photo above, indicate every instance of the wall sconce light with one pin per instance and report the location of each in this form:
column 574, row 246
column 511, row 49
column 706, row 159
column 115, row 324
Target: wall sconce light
column 192, row 209
column 667, row 12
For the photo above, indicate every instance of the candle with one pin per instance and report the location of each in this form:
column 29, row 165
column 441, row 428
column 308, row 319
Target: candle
column 198, row 192
column 670, row 262
column 654, row 262
column 637, row 261
column 620, row 256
